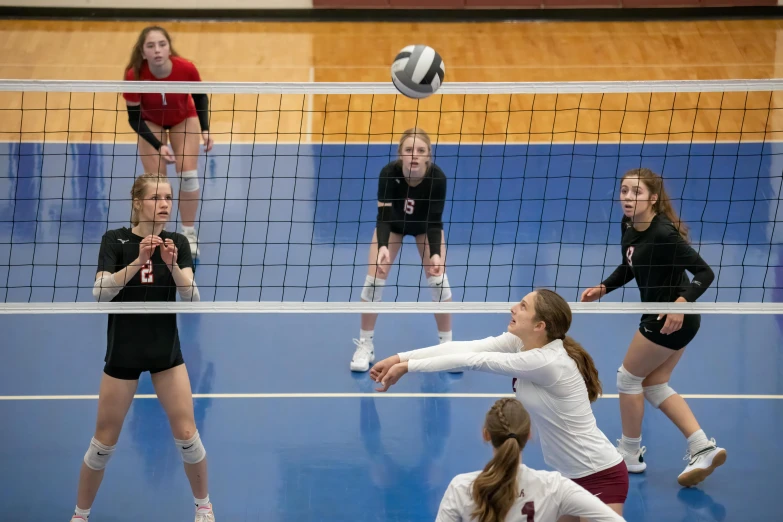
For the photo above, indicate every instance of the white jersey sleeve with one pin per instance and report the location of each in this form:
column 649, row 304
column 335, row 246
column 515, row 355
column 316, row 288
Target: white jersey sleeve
column 537, row 366
column 506, row 342
column 452, row 505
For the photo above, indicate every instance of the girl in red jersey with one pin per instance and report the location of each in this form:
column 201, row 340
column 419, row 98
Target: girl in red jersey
column 184, row 116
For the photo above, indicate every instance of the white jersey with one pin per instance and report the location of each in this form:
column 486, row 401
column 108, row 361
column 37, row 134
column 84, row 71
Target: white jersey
column 550, row 387
column 544, row 496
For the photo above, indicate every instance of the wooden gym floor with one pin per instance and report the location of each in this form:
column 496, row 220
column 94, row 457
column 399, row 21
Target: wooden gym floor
column 480, row 52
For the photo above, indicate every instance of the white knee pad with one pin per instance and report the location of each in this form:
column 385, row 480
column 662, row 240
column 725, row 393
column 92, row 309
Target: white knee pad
column 441, row 291
column 373, row 289
column 627, row 383
column 192, row 450
column 98, row 455
column 658, row 393
column 189, row 181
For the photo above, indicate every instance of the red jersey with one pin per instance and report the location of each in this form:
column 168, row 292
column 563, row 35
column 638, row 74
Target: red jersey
column 166, row 110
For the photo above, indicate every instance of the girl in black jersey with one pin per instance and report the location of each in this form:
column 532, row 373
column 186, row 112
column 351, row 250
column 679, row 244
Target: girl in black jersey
column 144, row 264
column 411, row 198
column 656, row 252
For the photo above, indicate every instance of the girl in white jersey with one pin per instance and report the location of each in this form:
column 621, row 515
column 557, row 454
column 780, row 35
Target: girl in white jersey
column 554, row 378
column 507, row 490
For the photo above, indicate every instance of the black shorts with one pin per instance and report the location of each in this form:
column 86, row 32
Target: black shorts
column 650, row 328
column 408, row 229
column 133, row 374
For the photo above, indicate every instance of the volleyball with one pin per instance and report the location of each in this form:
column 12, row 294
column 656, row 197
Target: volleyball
column 418, row 71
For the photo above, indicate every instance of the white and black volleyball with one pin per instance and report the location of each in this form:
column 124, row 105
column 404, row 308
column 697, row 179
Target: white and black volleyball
column 418, row 71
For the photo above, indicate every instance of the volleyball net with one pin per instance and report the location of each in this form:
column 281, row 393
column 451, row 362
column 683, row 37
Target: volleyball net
column 288, row 200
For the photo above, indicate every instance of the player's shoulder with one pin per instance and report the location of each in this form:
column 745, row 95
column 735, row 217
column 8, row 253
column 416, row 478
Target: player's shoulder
column 129, row 74
column 183, row 63
column 118, row 233
column 549, row 481
column 663, row 226
column 507, row 338
column 437, row 172
column 463, row 483
column 393, row 169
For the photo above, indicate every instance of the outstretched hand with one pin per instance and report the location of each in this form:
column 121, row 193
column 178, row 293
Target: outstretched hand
column 392, row 376
column 379, row 370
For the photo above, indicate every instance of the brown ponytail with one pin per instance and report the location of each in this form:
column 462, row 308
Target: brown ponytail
column 663, row 205
column 555, row 312
column 495, row 488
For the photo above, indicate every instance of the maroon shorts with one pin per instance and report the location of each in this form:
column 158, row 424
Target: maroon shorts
column 609, row 485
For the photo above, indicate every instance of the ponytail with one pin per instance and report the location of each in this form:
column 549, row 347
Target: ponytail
column 555, row 312
column 584, row 362
column 495, row 489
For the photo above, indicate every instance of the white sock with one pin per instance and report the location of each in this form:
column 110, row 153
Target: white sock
column 630, row 445
column 366, row 335
column 82, row 512
column 698, row 442
column 444, row 337
column 201, row 502
column 187, row 230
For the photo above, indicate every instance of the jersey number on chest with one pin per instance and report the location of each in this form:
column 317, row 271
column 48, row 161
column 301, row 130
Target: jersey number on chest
column 147, row 275
column 530, row 510
column 410, row 204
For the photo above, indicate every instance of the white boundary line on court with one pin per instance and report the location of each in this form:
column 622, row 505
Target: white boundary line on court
column 355, row 396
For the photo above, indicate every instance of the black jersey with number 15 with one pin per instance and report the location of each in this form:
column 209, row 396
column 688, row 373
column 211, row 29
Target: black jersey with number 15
column 142, row 340
column 414, row 209
column 658, row 258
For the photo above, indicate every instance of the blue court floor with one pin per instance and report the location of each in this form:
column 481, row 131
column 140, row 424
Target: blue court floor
column 291, row 433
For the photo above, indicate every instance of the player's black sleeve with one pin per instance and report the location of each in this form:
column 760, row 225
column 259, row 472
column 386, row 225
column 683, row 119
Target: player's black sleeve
column 384, row 217
column 383, row 225
column 138, row 124
column 623, row 274
column 108, row 254
column 685, row 257
column 201, row 101
column 435, row 217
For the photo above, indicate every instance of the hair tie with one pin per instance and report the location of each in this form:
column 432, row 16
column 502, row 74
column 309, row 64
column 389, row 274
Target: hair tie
column 512, row 436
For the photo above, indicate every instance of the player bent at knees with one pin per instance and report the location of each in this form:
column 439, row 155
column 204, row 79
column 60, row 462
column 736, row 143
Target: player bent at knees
column 411, row 200
column 656, row 252
column 644, row 375
column 185, row 116
column 380, row 262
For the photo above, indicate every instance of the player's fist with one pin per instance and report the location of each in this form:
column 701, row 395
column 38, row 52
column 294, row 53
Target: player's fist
column 168, row 252
column 392, row 376
column 594, row 293
column 379, row 370
column 147, row 247
column 384, row 263
column 436, row 266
